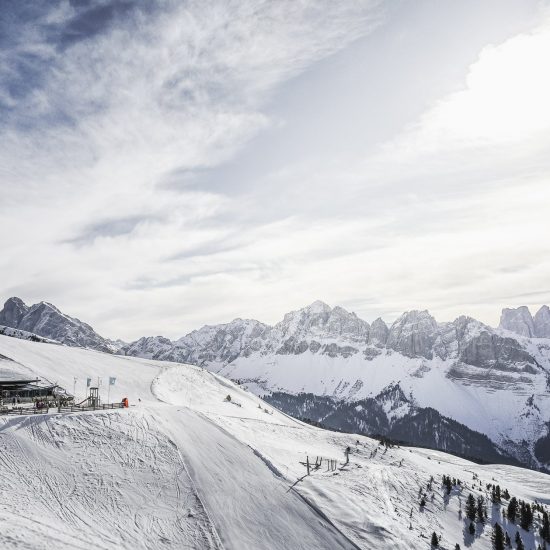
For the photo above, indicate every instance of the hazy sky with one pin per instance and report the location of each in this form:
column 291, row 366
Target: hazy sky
column 166, row 164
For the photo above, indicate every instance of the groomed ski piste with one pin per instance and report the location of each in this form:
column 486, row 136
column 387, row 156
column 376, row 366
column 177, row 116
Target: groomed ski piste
column 185, row 467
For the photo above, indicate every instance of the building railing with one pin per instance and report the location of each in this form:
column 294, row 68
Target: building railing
column 62, row 408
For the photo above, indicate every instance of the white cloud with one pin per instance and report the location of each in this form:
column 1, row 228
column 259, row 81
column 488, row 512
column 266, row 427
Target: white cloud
column 111, row 117
column 504, row 101
column 99, row 215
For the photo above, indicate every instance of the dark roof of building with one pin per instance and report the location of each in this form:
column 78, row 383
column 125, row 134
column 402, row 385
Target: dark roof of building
column 15, row 384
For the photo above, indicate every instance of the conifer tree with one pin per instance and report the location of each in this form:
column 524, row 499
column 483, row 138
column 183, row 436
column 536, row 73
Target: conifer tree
column 447, row 484
column 435, row 540
column 471, row 507
column 507, row 540
column 526, row 516
column 481, row 511
column 545, row 527
column 519, row 542
column 497, row 537
column 512, row 509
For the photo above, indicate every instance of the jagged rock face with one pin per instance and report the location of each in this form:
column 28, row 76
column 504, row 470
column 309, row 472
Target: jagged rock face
column 378, row 334
column 222, row 343
column 47, row 321
column 394, row 402
column 453, row 337
column 518, row 320
column 315, row 323
column 210, row 344
column 492, row 351
column 149, row 347
column 315, row 328
column 413, row 334
column 542, row 322
column 14, row 310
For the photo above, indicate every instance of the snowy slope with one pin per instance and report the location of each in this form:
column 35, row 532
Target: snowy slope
column 501, row 412
column 188, row 468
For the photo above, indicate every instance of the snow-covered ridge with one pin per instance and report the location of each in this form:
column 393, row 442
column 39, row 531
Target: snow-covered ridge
column 24, row 335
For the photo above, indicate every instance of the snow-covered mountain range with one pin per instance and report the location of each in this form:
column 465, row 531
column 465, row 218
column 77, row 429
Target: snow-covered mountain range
column 494, row 382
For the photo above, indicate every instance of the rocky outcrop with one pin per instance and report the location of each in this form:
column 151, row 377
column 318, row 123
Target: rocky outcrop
column 148, row 347
column 14, row 310
column 378, row 334
column 493, row 351
column 413, row 334
column 318, row 322
column 542, row 322
column 518, row 320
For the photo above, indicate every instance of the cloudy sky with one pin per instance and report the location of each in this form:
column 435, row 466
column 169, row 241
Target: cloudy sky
column 166, row 164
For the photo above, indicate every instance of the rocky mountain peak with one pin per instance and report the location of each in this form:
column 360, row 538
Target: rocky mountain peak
column 518, row 320
column 542, row 322
column 393, row 393
column 318, row 307
column 14, row 310
column 45, row 320
column 378, row 335
column 414, row 334
column 319, row 321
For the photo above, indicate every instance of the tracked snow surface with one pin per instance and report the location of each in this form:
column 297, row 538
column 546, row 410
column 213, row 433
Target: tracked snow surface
column 188, row 468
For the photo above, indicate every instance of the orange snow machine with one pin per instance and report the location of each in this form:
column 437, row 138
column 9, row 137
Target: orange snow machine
column 125, row 402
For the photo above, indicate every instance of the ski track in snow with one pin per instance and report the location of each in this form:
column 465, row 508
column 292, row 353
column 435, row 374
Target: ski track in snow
column 109, row 479
column 189, row 469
